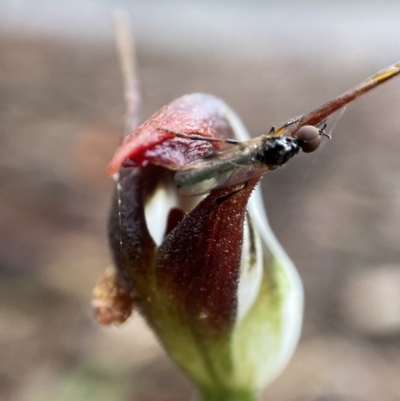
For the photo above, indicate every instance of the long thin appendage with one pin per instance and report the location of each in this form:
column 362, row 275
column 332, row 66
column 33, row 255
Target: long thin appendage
column 322, row 112
column 200, row 137
column 126, row 51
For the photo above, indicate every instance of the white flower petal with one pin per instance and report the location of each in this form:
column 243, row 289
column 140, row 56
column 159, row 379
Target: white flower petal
column 264, row 261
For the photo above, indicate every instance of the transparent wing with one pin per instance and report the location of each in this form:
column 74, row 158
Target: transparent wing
column 228, row 167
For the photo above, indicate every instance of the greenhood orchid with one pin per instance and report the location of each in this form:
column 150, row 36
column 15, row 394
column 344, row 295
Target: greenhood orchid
column 206, row 272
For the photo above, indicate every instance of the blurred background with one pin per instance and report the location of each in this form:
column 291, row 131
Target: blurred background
column 336, row 211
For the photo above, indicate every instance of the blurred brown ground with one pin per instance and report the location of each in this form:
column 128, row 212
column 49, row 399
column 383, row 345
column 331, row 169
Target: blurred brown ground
column 336, row 212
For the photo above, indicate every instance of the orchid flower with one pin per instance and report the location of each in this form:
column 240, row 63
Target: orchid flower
column 207, row 273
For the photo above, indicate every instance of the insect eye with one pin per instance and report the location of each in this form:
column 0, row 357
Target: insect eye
column 309, row 138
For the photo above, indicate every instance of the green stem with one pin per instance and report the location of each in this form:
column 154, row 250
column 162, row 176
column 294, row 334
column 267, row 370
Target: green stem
column 227, row 395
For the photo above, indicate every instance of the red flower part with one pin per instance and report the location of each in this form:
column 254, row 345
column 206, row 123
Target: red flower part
column 198, row 113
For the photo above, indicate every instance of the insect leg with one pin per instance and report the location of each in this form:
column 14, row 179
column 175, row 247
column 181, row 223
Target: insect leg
column 323, row 133
column 271, row 132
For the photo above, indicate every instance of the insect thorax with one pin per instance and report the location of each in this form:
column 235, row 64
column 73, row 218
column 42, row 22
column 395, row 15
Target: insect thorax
column 277, row 151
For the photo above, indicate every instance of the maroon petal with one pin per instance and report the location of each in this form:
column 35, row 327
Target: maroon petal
column 191, row 114
column 132, row 246
column 198, row 263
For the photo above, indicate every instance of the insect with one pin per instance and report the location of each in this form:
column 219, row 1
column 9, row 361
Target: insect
column 243, row 161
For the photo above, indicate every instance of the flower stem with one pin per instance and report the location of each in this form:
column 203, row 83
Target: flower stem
column 227, row 395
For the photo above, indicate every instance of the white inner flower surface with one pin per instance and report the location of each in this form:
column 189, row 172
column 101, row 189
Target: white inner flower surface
column 159, row 204
column 251, row 271
column 157, row 209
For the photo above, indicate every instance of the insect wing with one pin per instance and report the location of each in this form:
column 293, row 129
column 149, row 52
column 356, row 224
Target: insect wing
column 231, row 166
